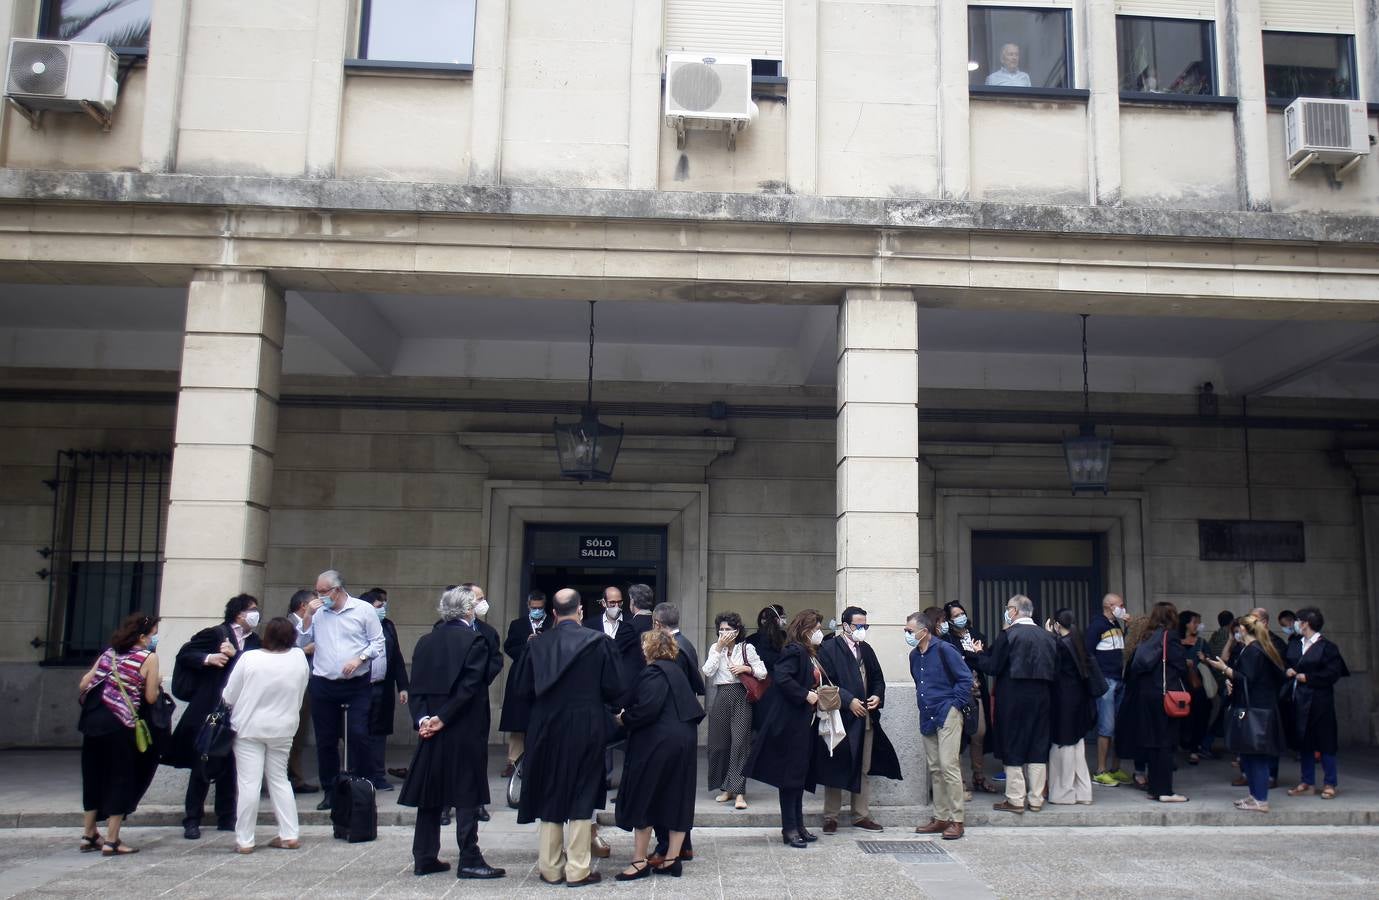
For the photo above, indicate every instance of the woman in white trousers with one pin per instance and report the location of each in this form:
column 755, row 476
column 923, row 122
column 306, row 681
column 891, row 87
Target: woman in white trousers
column 1070, row 781
column 264, row 694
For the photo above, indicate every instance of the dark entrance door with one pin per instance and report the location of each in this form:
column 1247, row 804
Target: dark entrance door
column 590, row 558
column 1054, row 569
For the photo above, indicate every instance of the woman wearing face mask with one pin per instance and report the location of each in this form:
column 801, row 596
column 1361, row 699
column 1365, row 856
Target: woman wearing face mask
column 114, row 773
column 387, row 682
column 1315, row 665
column 264, row 693
column 783, row 752
column 957, row 629
column 730, row 717
column 1157, row 663
column 1079, row 682
column 1255, row 675
column 769, row 638
column 1194, row 646
column 203, row 666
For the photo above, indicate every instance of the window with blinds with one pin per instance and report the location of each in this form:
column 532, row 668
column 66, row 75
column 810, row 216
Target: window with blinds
column 1308, row 15
column 106, row 556
column 1168, row 9
column 754, row 28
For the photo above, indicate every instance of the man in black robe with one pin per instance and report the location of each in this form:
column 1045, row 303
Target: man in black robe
column 851, row 664
column 618, row 628
column 449, row 706
column 569, row 677
column 534, row 622
column 666, row 617
column 495, row 652
column 388, row 680
column 1024, row 660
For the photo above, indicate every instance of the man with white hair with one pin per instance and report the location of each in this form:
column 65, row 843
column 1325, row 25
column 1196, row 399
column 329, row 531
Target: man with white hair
column 1024, row 659
column 348, row 637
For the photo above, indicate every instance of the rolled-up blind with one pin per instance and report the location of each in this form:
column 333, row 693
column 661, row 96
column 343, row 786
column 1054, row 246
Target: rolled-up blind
column 754, row 28
column 1168, row 9
column 1328, row 16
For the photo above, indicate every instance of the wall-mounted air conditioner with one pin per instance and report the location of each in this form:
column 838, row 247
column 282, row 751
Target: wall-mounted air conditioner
column 708, row 92
column 62, row 76
column 1330, row 132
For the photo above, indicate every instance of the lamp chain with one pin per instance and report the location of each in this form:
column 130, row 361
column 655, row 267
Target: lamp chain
column 589, row 401
column 1086, row 395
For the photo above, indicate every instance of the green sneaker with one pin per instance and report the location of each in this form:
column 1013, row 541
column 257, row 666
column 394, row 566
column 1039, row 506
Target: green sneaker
column 1120, row 777
column 1105, row 778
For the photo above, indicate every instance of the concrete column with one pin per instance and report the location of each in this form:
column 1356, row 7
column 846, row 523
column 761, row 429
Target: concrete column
column 1103, row 107
column 954, row 129
column 1242, row 47
column 222, row 465
column 878, row 465
column 167, row 54
column 644, row 95
column 327, row 88
column 486, row 109
column 802, row 112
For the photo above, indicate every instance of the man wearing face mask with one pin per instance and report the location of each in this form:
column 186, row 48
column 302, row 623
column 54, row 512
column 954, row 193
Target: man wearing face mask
column 203, row 666
column 851, row 664
column 1105, row 643
column 943, row 689
column 387, row 680
column 495, row 653
column 615, row 626
column 534, row 622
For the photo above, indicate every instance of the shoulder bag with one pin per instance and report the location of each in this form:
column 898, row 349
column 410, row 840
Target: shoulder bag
column 968, row 712
column 142, row 738
column 215, row 742
column 755, row 686
column 829, row 698
column 1177, row 704
column 1250, row 730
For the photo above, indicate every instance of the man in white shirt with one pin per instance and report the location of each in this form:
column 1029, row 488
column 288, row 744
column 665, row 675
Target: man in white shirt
column 348, row 637
column 1009, row 74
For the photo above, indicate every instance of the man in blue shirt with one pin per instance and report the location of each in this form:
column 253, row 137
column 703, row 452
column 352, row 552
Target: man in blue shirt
column 1105, row 643
column 943, row 689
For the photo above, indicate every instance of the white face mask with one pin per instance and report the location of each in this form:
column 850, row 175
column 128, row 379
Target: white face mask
column 859, row 634
column 816, row 637
column 481, row 608
column 1119, row 612
column 613, row 613
column 251, row 619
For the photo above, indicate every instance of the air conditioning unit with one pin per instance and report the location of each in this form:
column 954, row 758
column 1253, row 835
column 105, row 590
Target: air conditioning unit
column 1330, row 132
column 63, row 76
column 708, row 92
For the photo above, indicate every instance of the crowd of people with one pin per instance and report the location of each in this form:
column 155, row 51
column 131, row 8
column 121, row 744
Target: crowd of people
column 791, row 707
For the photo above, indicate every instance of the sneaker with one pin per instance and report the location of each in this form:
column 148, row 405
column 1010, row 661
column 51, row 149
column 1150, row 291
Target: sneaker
column 1105, row 778
column 1120, row 777
column 999, row 776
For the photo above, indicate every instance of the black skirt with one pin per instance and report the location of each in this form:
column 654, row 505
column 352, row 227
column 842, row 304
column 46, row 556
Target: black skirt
column 658, row 778
column 114, row 774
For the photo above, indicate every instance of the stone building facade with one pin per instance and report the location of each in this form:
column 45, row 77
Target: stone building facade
column 325, row 307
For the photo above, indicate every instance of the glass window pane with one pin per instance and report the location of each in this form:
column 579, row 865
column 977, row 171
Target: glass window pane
column 1308, row 65
column 436, row 31
column 1164, row 56
column 1018, row 47
column 119, row 23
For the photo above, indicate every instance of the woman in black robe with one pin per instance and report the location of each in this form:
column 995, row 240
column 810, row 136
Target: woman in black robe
column 449, row 707
column 962, row 634
column 1158, row 660
column 783, row 750
column 658, row 775
column 1315, row 665
column 1072, row 713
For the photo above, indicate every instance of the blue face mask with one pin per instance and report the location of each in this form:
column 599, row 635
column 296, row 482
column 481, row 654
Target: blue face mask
column 911, row 639
column 327, row 602
column 536, row 615
column 1290, row 630
column 943, row 628
column 960, row 621
column 383, row 611
column 153, row 642
column 1008, row 617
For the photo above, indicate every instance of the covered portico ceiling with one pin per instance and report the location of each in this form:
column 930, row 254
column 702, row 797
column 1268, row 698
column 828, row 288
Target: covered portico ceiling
column 372, row 334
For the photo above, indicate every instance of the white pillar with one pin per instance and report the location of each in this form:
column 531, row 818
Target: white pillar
column 1243, row 50
column 167, row 54
column 486, row 106
column 1103, row 106
column 802, row 112
column 333, row 20
column 222, row 464
column 644, row 96
column 954, row 128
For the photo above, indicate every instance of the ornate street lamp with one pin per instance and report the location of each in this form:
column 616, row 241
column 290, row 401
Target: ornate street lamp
column 1088, row 456
column 588, row 449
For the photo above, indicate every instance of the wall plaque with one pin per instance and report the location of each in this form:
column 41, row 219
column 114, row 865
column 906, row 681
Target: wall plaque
column 1250, row 540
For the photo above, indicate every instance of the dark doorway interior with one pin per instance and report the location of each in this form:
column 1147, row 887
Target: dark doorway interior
column 589, row 558
column 1054, row 569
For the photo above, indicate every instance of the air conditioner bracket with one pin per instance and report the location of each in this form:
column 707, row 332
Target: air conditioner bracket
column 1296, row 169
column 95, row 112
column 1343, row 171
column 34, row 116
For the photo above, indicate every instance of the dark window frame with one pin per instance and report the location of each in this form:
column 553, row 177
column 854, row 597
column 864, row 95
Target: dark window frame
column 363, row 63
column 1281, row 102
column 50, row 16
column 1172, row 96
column 1069, row 66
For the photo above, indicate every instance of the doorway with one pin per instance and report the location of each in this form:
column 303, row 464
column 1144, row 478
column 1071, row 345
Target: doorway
column 589, row 558
column 1056, row 570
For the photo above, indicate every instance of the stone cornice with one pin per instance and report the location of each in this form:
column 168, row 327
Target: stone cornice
column 327, row 195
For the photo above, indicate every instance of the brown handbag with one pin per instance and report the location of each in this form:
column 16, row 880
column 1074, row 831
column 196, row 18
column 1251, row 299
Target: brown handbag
column 755, row 686
column 829, row 698
column 1177, row 704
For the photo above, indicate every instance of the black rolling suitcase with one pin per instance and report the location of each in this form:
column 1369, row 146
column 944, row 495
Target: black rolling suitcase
column 353, row 803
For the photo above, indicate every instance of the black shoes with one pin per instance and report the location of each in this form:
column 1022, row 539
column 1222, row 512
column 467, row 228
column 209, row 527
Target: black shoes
column 793, row 839
column 673, row 870
column 808, row 835
column 445, row 816
column 591, row 878
column 225, row 825
column 642, row 872
column 430, row 867
column 480, row 871
column 325, row 802
column 191, row 830
column 302, row 787
column 483, row 814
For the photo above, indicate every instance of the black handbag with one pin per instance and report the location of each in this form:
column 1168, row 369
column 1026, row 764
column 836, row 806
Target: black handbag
column 159, row 712
column 1250, row 730
column 215, row 742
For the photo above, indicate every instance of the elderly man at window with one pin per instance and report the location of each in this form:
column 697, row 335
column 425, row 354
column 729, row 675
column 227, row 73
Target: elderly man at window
column 1009, row 74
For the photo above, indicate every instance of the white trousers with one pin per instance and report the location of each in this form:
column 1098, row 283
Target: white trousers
column 1069, row 779
column 1017, row 784
column 253, row 759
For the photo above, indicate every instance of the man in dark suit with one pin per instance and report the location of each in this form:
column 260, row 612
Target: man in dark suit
column 642, row 599
column 614, row 624
column 666, row 617
column 534, row 621
column 495, row 652
column 387, row 680
column 203, row 666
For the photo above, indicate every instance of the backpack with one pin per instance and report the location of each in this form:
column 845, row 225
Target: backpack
column 187, row 678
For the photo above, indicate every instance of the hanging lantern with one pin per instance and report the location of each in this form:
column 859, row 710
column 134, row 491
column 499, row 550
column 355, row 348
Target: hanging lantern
column 588, row 449
column 1088, row 456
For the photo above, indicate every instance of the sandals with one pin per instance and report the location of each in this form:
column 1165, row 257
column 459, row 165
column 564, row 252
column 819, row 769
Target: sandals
column 280, row 844
column 741, row 802
column 979, row 783
column 1302, row 789
column 90, row 843
column 1250, row 804
column 1328, row 792
column 115, row 848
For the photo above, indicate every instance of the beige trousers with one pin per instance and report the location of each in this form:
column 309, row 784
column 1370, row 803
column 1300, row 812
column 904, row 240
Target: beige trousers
column 1015, row 784
column 517, row 742
column 1069, row 779
column 943, row 749
column 860, row 801
column 564, row 851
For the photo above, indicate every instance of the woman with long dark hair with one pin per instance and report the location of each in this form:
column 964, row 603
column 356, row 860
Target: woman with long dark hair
column 1070, row 781
column 1255, row 674
column 783, row 752
column 957, row 629
column 114, row 771
column 1157, row 663
column 1195, row 652
column 769, row 638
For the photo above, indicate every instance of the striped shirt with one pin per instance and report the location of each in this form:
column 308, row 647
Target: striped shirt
column 127, row 666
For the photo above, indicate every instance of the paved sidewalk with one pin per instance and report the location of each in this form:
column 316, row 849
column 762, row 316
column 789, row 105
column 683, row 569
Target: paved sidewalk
column 42, row 788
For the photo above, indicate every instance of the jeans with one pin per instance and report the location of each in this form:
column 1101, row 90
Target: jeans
column 1256, row 771
column 1309, row 769
column 253, row 760
column 1107, row 705
column 330, row 700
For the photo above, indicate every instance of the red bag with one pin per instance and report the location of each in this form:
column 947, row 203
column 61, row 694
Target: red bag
column 755, row 686
column 1177, row 704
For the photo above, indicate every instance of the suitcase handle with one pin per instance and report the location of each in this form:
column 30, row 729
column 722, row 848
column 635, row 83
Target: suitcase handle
column 345, row 736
